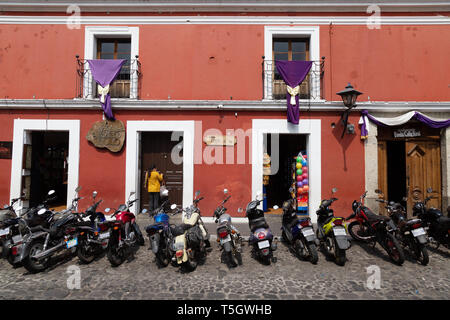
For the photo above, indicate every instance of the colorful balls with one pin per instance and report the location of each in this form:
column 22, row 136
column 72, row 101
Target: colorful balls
column 305, row 188
column 299, row 190
column 299, row 159
column 299, row 172
column 305, row 181
column 305, row 169
column 299, row 178
column 299, row 184
column 298, row 165
column 303, row 176
column 304, row 162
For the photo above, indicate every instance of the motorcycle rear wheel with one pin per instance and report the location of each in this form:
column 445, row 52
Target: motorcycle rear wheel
column 85, row 253
column 359, row 232
column 34, row 266
column 161, row 259
column 421, row 253
column 339, row 254
column 394, row 250
column 190, row 265
column 115, row 256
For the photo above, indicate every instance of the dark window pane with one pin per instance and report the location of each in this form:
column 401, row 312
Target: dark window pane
column 280, row 56
column 280, row 46
column 299, row 56
column 124, row 47
column 298, row 46
column 106, row 55
column 107, row 47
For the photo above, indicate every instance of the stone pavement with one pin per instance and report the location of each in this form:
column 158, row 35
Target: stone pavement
column 289, row 278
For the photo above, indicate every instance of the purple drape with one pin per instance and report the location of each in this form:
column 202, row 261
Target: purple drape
column 104, row 72
column 293, row 73
column 418, row 116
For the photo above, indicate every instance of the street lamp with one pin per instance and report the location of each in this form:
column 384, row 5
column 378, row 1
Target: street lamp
column 349, row 96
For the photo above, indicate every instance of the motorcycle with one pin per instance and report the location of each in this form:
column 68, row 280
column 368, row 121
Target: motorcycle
column 332, row 231
column 17, row 228
column 125, row 234
column 437, row 226
column 92, row 242
column 191, row 246
column 62, row 235
column 373, row 228
column 228, row 235
column 299, row 233
column 411, row 233
column 161, row 235
column 9, row 225
column 261, row 238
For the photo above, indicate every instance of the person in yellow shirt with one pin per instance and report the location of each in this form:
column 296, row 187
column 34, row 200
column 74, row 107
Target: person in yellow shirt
column 153, row 180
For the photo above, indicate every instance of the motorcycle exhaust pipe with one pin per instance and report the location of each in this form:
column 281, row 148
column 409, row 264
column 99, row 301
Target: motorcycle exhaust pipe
column 49, row 252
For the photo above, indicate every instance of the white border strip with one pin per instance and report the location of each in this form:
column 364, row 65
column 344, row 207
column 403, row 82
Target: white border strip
column 256, row 20
column 134, row 128
column 22, row 125
column 311, row 127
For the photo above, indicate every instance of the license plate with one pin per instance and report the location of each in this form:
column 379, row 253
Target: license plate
column 418, row 232
column 17, row 239
column 263, row 244
column 72, row 243
column 339, row 232
column 226, row 239
column 103, row 235
column 4, row 232
column 308, row 232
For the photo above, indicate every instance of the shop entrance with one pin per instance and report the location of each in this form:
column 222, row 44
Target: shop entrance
column 157, row 149
column 277, row 185
column 409, row 162
column 46, row 160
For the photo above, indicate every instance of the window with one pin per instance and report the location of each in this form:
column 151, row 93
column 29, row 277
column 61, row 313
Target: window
column 117, row 49
column 291, row 49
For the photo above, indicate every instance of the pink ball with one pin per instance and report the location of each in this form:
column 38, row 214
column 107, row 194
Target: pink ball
column 299, row 178
column 305, row 169
column 304, row 176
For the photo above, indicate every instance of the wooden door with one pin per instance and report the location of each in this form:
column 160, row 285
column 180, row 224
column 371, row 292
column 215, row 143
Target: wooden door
column 156, row 149
column 423, row 170
column 382, row 173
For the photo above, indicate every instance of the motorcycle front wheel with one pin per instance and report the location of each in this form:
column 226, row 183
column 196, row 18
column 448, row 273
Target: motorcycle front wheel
column 161, row 259
column 85, row 252
column 421, row 254
column 394, row 250
column 359, row 232
column 189, row 266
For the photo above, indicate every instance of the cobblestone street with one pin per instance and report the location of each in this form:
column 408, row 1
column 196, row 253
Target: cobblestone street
column 288, row 278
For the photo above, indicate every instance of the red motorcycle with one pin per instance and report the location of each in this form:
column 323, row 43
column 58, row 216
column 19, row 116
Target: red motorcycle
column 125, row 235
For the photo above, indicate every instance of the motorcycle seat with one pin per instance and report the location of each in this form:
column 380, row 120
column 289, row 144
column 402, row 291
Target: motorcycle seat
column 178, row 230
column 258, row 223
column 444, row 221
column 374, row 217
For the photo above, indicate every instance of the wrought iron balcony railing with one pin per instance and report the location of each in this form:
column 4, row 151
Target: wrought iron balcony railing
column 126, row 85
column 275, row 89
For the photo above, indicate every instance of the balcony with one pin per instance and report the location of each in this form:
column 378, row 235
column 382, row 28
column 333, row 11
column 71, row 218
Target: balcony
column 126, row 86
column 274, row 87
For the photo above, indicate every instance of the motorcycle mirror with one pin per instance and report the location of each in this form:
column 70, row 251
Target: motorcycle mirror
column 334, row 190
column 197, row 193
column 107, row 210
column 291, row 189
column 78, row 189
column 225, row 191
column 378, row 191
column 42, row 211
column 5, row 206
column 429, row 190
column 173, row 206
column 94, row 194
column 258, row 195
column 240, row 210
column 144, row 211
column 51, row 192
column 404, row 199
column 132, row 193
column 275, row 207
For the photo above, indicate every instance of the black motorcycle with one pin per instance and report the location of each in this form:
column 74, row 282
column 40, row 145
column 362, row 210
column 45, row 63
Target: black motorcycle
column 437, row 226
column 299, row 233
column 411, row 233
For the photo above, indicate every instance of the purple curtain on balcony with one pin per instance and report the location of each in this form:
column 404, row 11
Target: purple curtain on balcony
column 399, row 120
column 293, row 74
column 104, row 72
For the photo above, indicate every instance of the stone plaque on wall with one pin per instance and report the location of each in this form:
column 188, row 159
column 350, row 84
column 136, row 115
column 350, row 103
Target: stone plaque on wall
column 107, row 134
column 220, row 140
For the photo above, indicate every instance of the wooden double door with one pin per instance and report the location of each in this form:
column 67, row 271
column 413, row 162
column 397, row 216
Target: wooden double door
column 411, row 164
column 157, row 149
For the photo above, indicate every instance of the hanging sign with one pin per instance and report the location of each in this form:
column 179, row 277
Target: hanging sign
column 107, row 134
column 220, row 140
column 406, row 133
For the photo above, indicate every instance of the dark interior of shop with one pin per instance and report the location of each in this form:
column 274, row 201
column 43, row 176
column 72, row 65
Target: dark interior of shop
column 396, row 171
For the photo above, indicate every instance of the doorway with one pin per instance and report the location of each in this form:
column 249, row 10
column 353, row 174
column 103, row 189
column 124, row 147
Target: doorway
column 49, row 167
column 156, row 150
column 278, row 184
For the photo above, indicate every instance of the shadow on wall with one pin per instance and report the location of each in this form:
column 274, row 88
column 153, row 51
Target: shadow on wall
column 345, row 141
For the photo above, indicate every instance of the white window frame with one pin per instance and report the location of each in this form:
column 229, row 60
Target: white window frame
column 311, row 32
column 309, row 127
column 21, row 126
column 134, row 130
column 90, row 52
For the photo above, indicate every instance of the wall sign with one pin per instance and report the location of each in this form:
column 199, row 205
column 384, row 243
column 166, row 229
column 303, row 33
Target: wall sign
column 107, row 134
column 406, row 133
column 5, row 149
column 220, row 140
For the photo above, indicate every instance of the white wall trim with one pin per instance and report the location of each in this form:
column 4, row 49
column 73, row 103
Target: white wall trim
column 23, row 125
column 311, row 32
column 233, row 20
column 134, row 128
column 310, row 127
column 90, row 49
